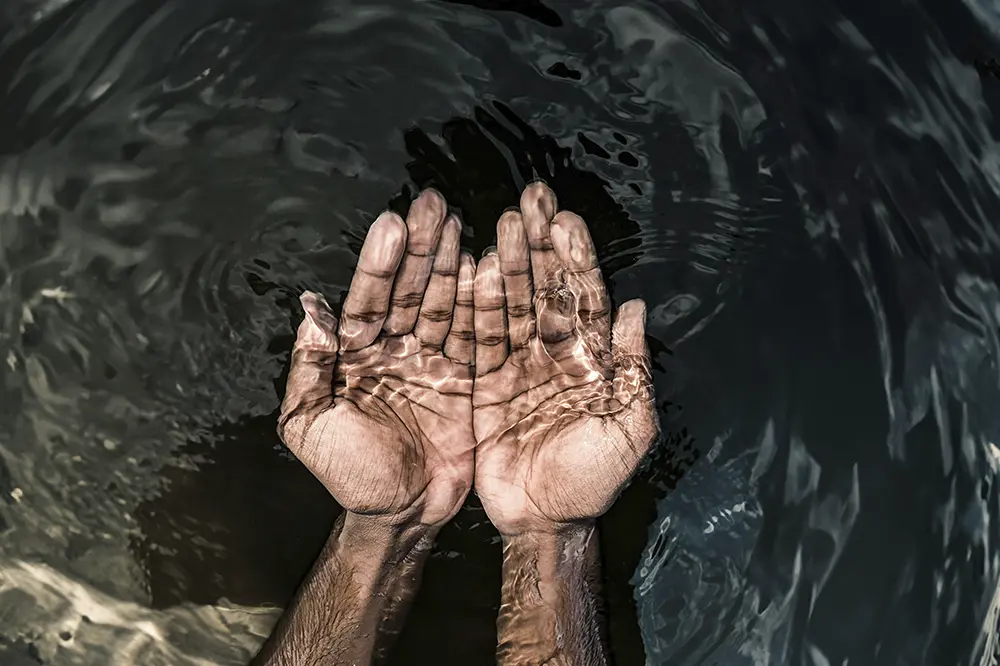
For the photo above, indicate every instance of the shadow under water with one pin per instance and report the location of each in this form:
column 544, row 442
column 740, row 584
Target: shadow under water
column 806, row 196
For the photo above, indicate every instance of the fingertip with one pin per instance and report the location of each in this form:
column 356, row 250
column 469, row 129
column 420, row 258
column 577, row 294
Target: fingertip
column 432, row 210
column 454, row 223
column 567, row 219
column 510, row 226
column 489, row 262
column 451, row 232
column 512, row 240
column 433, row 198
column 539, row 196
column 318, row 328
column 489, row 286
column 574, row 228
column 391, row 227
column 632, row 318
column 635, row 308
column 466, row 274
column 315, row 305
column 309, row 298
column 629, row 331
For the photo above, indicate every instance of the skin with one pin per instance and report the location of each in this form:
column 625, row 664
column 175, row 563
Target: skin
column 563, row 413
column 378, row 407
column 440, row 374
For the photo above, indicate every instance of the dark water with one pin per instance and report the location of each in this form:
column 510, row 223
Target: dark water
column 806, row 194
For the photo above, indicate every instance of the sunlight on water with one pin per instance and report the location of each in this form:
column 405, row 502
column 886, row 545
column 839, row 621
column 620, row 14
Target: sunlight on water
column 73, row 622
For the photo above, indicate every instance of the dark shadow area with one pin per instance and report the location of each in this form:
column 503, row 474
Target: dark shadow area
column 531, row 9
column 481, row 164
column 245, row 525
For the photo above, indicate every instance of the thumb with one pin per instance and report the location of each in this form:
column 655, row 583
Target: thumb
column 309, row 390
column 633, row 385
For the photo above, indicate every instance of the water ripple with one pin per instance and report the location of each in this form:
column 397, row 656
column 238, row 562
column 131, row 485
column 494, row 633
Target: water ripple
column 805, row 196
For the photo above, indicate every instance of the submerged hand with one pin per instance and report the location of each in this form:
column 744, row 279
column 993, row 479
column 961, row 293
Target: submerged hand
column 563, row 404
column 380, row 410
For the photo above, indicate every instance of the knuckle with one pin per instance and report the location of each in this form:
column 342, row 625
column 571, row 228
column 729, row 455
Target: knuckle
column 436, row 315
column 491, row 340
column 465, row 335
column 407, row 299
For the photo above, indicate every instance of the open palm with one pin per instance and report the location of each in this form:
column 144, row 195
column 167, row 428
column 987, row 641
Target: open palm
column 379, row 409
column 563, row 405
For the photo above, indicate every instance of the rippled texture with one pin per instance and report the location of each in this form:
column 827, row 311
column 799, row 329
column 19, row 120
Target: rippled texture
column 806, row 194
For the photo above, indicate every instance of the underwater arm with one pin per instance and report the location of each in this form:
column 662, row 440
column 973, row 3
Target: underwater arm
column 550, row 610
column 351, row 604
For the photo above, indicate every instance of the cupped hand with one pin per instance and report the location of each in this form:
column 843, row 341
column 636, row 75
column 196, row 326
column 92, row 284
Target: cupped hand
column 379, row 409
column 563, row 402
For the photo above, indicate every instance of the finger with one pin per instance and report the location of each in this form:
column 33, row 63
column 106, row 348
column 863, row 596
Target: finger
column 367, row 301
column 423, row 227
column 515, row 265
column 309, row 389
column 434, row 320
column 538, row 206
column 460, row 343
column 633, row 388
column 556, row 311
column 490, row 319
column 573, row 245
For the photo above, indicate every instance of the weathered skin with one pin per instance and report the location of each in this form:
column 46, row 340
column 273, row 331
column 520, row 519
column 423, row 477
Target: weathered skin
column 563, row 414
column 380, row 412
column 394, row 438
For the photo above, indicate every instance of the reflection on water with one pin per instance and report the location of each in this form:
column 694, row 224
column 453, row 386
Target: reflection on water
column 805, row 194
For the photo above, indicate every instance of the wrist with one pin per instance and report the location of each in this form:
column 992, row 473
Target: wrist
column 559, row 553
column 550, row 597
column 383, row 532
column 547, row 534
column 555, row 547
column 375, row 548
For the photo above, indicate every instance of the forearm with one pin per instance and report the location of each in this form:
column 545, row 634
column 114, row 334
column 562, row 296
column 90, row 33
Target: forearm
column 550, row 610
column 350, row 606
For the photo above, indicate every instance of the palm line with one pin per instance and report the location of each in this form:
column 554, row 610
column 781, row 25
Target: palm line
column 523, row 392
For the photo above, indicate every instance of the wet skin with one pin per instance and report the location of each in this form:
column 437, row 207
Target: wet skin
column 563, row 413
column 439, row 375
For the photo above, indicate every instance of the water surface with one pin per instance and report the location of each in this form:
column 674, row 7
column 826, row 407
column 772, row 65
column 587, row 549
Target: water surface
column 806, row 195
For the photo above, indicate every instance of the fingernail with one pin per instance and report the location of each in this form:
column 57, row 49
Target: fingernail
column 490, row 249
column 511, row 209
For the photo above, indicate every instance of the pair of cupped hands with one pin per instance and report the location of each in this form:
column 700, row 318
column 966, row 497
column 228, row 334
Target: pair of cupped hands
column 442, row 375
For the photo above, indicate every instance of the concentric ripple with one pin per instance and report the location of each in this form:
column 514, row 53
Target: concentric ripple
column 805, row 194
